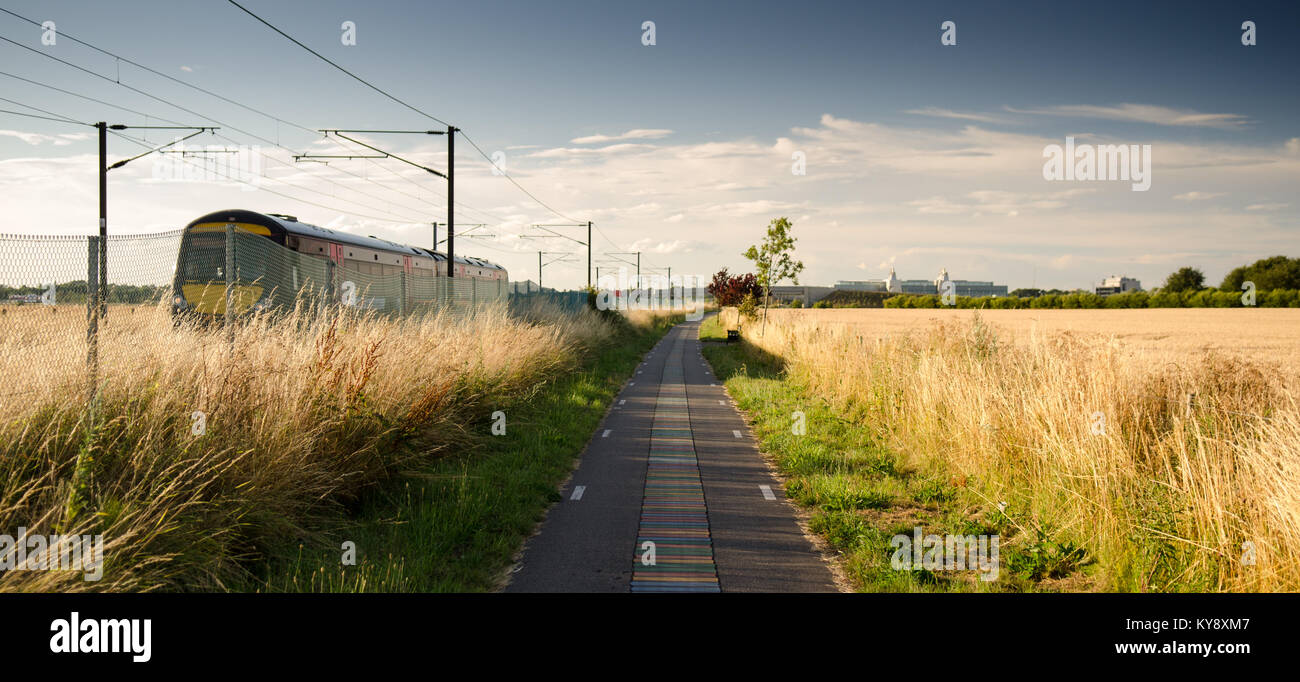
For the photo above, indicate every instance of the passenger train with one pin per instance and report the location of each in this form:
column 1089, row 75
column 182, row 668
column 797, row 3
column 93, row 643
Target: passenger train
column 279, row 261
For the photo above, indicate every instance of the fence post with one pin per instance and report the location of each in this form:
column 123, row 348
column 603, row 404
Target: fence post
column 230, row 281
column 328, row 299
column 1191, row 402
column 401, row 302
column 92, row 323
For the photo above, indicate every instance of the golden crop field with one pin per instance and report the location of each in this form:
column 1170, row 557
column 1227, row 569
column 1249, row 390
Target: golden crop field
column 1270, row 336
column 1079, row 424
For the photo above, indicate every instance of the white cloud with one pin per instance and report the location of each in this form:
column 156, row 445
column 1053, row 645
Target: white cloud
column 1142, row 113
column 948, row 113
column 636, row 134
column 34, row 139
column 963, row 197
column 568, row 152
column 1198, row 196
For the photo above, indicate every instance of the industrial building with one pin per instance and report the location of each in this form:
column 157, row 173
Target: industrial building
column 1118, row 284
column 806, row 295
column 962, row 287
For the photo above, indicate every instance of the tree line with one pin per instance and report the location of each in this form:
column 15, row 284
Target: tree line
column 75, row 292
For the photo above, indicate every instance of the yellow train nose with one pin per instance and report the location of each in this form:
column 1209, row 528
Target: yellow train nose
column 210, row 298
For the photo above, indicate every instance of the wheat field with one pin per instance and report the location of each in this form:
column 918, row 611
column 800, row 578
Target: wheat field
column 1080, row 423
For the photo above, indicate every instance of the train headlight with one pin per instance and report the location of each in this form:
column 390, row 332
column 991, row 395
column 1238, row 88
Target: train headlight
column 179, row 302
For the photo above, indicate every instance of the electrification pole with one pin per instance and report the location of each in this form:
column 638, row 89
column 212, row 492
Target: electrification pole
column 451, row 200
column 104, row 168
column 565, row 236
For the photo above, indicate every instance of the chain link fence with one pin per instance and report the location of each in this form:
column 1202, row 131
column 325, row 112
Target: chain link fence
column 60, row 320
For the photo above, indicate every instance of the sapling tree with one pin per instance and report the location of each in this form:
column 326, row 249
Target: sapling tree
column 773, row 259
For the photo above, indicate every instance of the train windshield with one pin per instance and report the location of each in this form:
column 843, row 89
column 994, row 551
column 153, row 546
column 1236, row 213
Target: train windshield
column 203, row 257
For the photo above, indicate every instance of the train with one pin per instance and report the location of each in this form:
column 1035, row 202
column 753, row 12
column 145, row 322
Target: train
column 279, row 262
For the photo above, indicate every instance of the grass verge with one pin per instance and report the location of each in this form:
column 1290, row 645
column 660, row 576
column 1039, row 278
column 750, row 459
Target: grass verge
column 454, row 525
column 711, row 329
column 861, row 493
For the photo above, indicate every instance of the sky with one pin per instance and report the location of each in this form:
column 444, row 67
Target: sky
column 915, row 155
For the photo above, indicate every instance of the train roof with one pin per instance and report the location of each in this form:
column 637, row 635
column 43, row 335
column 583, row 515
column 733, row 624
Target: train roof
column 287, row 224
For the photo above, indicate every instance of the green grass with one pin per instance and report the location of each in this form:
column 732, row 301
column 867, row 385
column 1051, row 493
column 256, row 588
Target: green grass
column 859, row 491
column 455, row 525
column 711, row 329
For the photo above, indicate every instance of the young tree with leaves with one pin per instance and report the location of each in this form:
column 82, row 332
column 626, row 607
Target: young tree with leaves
column 772, row 259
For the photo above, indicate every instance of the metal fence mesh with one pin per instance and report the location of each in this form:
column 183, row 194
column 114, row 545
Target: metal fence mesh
column 61, row 328
column 43, row 313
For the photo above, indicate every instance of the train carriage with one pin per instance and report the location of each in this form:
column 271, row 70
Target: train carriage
column 278, row 260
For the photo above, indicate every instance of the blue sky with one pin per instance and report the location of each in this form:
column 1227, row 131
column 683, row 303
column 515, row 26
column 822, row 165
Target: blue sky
column 917, row 154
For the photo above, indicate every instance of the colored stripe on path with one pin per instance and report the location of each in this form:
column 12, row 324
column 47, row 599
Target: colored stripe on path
column 674, row 516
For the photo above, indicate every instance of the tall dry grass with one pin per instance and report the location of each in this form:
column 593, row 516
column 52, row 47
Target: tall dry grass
column 302, row 414
column 1085, row 443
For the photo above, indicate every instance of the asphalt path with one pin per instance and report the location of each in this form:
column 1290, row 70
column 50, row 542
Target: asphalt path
column 594, row 538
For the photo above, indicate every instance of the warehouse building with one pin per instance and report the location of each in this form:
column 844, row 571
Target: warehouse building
column 1118, row 284
column 962, row 287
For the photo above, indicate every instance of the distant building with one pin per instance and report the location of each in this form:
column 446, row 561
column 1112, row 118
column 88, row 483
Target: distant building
column 527, row 286
column 972, row 288
column 861, row 285
column 1117, row 284
column 962, row 287
column 804, row 294
column 890, row 284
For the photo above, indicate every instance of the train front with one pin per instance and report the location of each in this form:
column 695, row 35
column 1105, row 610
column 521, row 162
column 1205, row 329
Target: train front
column 202, row 276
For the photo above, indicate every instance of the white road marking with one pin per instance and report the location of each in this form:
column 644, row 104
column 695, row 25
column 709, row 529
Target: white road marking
column 579, row 490
column 736, row 433
column 621, row 402
column 767, row 492
column 609, row 431
column 722, row 402
column 631, row 383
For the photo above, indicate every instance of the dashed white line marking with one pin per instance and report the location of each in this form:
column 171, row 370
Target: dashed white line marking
column 609, row 431
column 767, row 492
column 579, row 490
column 722, row 402
column 621, row 402
column 736, row 433
column 631, row 383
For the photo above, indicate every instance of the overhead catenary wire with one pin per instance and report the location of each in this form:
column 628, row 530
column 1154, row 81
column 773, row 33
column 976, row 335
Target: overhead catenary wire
column 54, row 116
column 47, row 118
column 226, row 99
column 405, row 104
column 266, row 189
column 229, row 100
column 278, row 120
column 119, row 58
column 222, row 136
